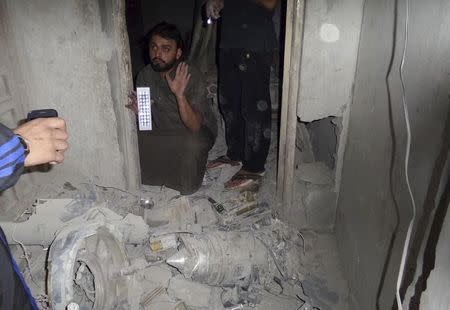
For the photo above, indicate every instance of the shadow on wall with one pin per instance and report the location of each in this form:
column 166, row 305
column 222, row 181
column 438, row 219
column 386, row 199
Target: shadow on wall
column 430, row 217
column 429, row 257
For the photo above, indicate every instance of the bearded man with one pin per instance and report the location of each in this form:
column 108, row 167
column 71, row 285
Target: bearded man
column 175, row 151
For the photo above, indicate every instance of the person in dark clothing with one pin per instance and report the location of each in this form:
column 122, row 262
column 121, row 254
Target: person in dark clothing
column 175, row 151
column 247, row 43
column 36, row 142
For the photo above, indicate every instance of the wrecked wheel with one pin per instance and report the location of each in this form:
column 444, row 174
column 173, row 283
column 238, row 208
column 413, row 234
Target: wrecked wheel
column 84, row 267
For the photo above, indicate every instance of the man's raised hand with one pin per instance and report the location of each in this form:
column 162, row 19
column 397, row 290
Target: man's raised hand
column 179, row 84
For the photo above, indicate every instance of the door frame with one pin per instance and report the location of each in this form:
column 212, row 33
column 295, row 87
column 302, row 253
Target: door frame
column 295, row 12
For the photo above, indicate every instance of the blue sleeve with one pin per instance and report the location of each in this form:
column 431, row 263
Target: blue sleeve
column 12, row 158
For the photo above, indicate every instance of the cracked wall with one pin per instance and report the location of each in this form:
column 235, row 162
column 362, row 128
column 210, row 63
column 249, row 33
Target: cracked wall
column 329, row 57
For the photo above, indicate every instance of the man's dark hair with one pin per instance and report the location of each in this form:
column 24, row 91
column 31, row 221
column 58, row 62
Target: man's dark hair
column 168, row 32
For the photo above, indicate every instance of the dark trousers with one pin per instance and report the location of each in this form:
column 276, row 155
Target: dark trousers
column 14, row 294
column 175, row 158
column 244, row 78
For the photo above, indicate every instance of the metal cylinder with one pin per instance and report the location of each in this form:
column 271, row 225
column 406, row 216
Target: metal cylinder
column 221, row 258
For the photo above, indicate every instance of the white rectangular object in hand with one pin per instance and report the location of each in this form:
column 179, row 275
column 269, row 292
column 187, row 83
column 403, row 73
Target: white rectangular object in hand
column 144, row 106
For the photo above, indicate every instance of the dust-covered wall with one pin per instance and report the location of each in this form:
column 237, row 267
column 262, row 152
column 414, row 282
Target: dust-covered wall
column 328, row 63
column 374, row 207
column 330, row 47
column 72, row 59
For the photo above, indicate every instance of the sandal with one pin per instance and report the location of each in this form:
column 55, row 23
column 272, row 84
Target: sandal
column 245, row 180
column 222, row 161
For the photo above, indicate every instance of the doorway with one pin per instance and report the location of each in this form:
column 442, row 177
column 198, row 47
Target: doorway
column 200, row 48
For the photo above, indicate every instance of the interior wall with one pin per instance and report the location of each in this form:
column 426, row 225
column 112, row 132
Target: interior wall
column 328, row 62
column 74, row 58
column 374, row 207
column 330, row 47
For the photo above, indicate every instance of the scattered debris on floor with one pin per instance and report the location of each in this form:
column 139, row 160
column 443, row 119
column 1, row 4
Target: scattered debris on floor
column 194, row 253
column 97, row 247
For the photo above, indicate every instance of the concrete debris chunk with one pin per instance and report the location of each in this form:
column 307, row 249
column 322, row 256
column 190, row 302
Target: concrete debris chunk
column 192, row 293
column 135, row 228
column 271, row 301
column 315, row 173
column 178, row 215
column 157, row 275
column 319, row 204
column 162, row 302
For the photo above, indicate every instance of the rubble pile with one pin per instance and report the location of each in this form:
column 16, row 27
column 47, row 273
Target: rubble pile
column 235, row 245
column 190, row 253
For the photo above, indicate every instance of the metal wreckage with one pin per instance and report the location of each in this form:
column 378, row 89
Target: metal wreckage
column 190, row 253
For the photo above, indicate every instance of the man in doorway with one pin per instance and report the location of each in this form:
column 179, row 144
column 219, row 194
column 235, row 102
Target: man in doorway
column 174, row 153
column 247, row 43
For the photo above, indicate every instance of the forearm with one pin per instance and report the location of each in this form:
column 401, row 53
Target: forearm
column 191, row 119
